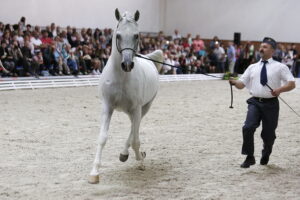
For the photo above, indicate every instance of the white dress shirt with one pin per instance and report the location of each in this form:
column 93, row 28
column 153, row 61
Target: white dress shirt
column 278, row 74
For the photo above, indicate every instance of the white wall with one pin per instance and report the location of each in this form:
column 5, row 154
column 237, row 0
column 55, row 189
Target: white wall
column 253, row 18
column 80, row 13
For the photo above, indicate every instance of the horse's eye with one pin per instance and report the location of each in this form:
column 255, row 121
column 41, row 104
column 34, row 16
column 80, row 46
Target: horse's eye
column 118, row 36
column 136, row 36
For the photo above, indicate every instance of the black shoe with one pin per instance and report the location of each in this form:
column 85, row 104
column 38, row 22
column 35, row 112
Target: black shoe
column 250, row 160
column 264, row 160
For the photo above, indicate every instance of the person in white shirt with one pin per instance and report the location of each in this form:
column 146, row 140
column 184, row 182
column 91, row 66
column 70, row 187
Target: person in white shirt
column 265, row 80
column 35, row 40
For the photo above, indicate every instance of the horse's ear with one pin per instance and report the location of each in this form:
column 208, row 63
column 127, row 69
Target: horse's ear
column 117, row 14
column 136, row 15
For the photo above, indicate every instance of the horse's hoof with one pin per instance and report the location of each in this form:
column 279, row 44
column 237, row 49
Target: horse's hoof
column 93, row 179
column 141, row 167
column 123, row 158
column 143, row 154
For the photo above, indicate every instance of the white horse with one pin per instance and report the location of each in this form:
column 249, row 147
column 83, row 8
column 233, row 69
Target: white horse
column 128, row 84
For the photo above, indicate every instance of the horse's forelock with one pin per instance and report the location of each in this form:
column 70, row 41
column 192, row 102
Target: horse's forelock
column 128, row 17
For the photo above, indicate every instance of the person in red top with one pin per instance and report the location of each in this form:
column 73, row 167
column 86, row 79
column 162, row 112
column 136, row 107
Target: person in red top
column 198, row 44
column 45, row 39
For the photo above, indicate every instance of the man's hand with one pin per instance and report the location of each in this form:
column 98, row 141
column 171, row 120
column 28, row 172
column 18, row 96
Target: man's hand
column 276, row 92
column 237, row 83
column 288, row 87
column 232, row 81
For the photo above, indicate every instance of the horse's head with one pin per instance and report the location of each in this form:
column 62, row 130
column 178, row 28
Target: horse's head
column 127, row 38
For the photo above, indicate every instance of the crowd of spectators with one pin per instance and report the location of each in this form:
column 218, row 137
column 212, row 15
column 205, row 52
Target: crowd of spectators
column 52, row 51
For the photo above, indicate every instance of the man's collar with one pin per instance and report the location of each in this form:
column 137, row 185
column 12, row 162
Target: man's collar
column 269, row 60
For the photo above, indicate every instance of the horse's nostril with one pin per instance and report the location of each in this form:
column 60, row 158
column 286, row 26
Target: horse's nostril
column 127, row 66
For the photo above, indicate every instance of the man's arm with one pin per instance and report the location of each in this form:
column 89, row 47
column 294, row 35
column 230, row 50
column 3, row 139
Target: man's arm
column 287, row 87
column 237, row 83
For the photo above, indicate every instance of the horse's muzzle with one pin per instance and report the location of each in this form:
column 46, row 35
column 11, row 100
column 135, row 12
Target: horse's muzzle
column 127, row 66
column 127, row 60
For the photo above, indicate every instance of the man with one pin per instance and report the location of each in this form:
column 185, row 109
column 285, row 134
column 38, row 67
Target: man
column 231, row 57
column 263, row 80
column 220, row 54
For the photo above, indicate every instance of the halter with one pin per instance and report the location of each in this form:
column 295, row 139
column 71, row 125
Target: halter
column 126, row 48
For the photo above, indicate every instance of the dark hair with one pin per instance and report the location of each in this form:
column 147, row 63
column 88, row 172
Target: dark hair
column 23, row 19
column 15, row 27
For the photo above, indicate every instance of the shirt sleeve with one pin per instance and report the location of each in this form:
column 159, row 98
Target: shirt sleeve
column 286, row 75
column 245, row 78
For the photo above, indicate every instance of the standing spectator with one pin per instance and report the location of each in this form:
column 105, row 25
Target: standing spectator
column 52, row 30
column 294, row 54
column 189, row 39
column 220, row 55
column 22, row 24
column 176, row 35
column 213, row 41
column 279, row 53
column 198, row 44
column 231, row 57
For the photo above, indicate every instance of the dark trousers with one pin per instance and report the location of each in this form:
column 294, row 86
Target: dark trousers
column 267, row 112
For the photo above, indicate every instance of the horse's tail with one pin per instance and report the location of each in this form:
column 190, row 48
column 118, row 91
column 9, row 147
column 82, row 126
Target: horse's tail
column 158, row 56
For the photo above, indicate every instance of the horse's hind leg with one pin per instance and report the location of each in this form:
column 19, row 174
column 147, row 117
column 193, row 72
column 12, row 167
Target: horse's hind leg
column 125, row 153
column 106, row 116
column 146, row 108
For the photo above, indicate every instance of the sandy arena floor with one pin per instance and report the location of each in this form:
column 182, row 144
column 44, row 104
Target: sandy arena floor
column 192, row 139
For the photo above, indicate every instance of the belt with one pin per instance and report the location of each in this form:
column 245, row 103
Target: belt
column 264, row 99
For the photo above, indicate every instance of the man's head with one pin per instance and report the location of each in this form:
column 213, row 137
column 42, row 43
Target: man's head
column 267, row 48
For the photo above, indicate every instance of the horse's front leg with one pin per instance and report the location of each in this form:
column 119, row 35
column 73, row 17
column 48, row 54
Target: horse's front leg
column 106, row 116
column 135, row 117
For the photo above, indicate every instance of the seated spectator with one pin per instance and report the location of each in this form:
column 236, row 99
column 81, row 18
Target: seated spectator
column 49, row 60
column 70, row 59
column 3, row 70
column 60, row 57
column 35, row 40
column 96, row 66
column 7, row 59
column 20, row 38
column 17, row 58
column 1, row 29
column 27, row 60
column 87, row 59
column 46, row 40
column 38, row 64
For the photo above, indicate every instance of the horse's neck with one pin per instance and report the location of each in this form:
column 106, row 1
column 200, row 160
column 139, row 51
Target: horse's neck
column 114, row 61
